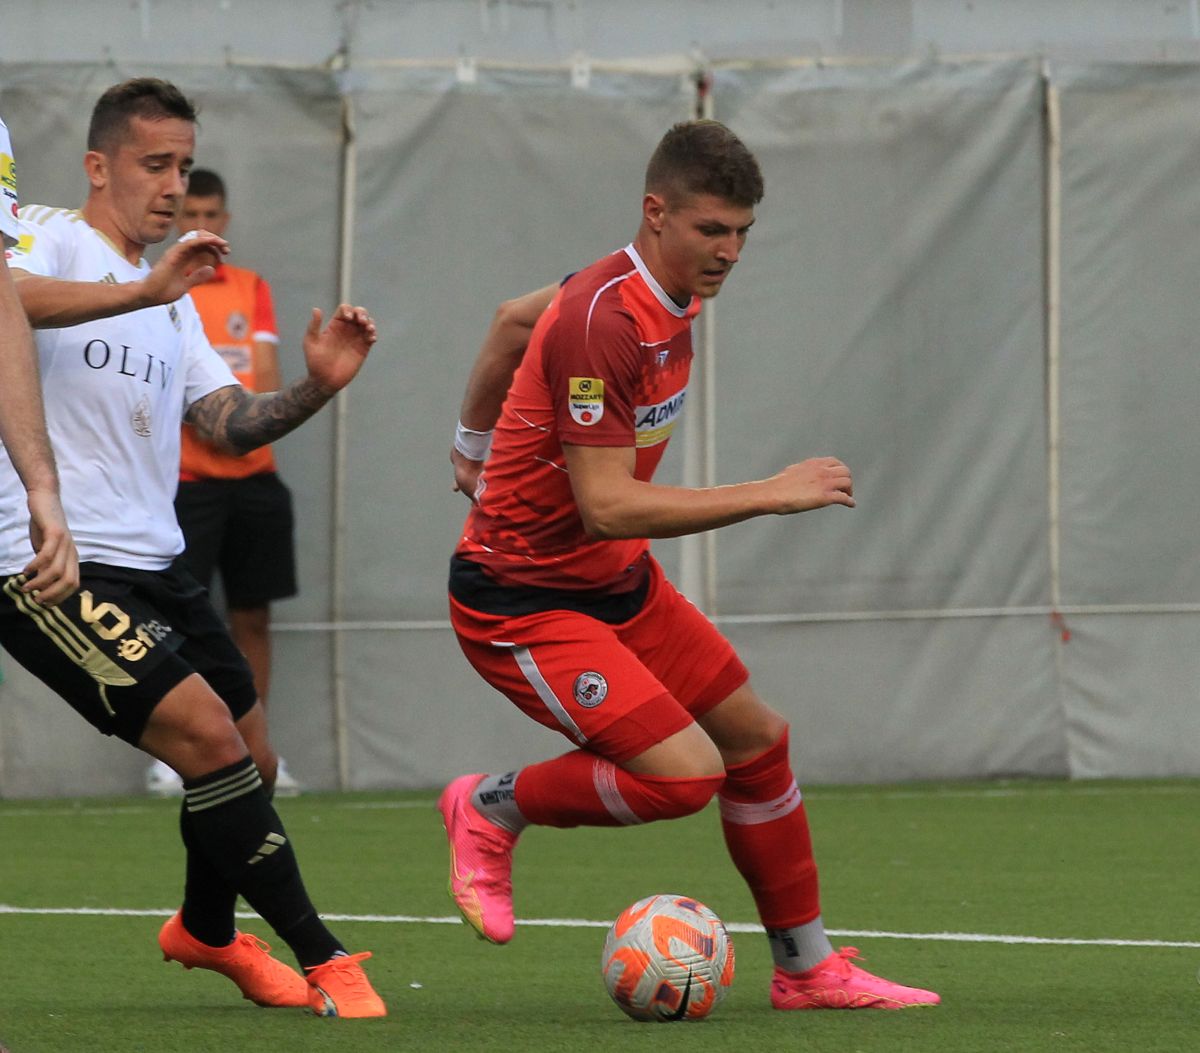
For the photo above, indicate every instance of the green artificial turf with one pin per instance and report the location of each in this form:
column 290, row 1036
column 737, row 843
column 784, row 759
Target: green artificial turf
column 1101, row 861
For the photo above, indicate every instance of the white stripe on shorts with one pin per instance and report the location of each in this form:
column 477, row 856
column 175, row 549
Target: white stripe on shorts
column 533, row 674
column 761, row 811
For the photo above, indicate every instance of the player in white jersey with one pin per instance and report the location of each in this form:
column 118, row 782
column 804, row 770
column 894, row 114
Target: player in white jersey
column 53, row 572
column 139, row 651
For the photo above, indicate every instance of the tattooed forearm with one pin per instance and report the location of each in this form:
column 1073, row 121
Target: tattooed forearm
column 239, row 421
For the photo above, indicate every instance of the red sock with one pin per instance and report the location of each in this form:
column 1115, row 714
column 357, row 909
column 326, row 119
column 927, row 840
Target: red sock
column 766, row 829
column 584, row 789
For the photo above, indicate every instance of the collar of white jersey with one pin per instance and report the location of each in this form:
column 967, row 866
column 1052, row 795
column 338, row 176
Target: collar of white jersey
column 652, row 283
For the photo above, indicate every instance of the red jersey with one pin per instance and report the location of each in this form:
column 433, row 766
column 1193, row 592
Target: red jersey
column 607, row 365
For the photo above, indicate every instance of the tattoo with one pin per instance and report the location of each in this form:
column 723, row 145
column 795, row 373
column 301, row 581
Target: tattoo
column 239, row 421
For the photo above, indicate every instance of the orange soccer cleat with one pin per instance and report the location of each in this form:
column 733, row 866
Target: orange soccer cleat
column 264, row 980
column 341, row 988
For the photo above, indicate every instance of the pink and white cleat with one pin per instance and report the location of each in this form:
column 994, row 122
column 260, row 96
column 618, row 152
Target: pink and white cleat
column 480, row 862
column 837, row 983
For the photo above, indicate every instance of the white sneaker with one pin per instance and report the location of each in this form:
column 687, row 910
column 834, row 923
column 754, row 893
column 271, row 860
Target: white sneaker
column 163, row 781
column 285, row 782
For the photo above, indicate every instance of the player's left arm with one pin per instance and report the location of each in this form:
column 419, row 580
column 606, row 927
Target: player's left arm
column 491, row 376
column 238, row 421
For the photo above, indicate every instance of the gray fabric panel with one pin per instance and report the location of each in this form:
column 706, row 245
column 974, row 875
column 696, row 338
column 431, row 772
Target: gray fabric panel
column 1130, row 371
column 420, row 715
column 888, row 312
column 887, row 701
column 467, row 195
column 1130, row 431
column 1130, row 695
column 48, row 750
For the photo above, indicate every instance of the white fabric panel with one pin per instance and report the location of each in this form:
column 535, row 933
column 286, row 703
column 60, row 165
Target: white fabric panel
column 1130, row 430
column 887, row 311
column 913, row 699
column 468, row 194
column 48, row 750
column 1130, row 371
column 420, row 715
column 1130, row 695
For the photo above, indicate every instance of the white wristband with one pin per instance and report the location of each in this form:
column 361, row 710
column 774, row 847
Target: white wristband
column 473, row 445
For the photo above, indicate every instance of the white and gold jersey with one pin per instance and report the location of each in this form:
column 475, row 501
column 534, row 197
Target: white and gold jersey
column 8, row 191
column 116, row 390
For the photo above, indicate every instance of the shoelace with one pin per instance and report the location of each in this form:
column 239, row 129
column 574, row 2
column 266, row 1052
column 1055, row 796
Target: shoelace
column 846, row 955
column 250, row 940
column 340, row 964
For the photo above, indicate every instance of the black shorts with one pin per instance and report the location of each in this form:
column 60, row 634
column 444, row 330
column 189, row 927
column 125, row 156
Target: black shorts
column 116, row 647
column 243, row 528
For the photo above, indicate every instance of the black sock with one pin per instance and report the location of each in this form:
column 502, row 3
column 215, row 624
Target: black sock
column 232, row 823
column 208, row 899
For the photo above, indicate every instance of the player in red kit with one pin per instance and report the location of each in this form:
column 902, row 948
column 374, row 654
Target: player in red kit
column 558, row 603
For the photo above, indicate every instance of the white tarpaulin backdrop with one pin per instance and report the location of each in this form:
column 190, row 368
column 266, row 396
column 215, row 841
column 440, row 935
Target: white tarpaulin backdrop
column 1011, row 456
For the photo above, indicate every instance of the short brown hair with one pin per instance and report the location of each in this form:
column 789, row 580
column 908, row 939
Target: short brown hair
column 704, row 157
column 146, row 97
column 204, row 182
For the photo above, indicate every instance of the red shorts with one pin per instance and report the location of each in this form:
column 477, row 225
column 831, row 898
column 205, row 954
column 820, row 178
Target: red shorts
column 616, row 689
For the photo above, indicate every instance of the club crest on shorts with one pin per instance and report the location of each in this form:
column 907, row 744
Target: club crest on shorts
column 590, row 689
column 586, row 400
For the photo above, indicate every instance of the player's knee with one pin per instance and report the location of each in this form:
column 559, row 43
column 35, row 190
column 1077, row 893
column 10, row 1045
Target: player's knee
column 673, row 797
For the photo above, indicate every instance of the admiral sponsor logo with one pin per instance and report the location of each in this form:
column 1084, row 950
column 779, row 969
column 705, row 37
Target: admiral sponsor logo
column 654, row 424
column 586, row 400
column 590, row 689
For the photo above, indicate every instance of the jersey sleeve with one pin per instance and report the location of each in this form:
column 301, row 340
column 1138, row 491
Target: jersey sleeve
column 8, row 191
column 44, row 247
column 206, row 370
column 592, row 364
column 263, row 326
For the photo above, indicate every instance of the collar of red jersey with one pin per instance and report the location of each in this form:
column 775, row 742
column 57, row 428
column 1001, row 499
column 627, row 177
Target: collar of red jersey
column 652, row 283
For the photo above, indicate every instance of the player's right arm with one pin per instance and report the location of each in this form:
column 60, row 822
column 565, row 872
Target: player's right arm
column 54, row 572
column 491, row 376
column 614, row 504
column 52, row 303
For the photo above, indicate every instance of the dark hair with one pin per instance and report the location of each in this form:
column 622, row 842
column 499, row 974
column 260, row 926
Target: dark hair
column 704, row 157
column 146, row 97
column 204, row 182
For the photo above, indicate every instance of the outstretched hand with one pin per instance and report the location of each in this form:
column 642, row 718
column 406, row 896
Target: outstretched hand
column 815, row 483
column 335, row 354
column 53, row 574
column 191, row 261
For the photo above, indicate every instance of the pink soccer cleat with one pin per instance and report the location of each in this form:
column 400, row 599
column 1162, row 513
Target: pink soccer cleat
column 837, row 983
column 480, row 862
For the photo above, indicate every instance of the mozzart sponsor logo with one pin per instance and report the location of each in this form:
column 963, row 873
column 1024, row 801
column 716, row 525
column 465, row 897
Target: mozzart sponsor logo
column 655, row 423
column 586, row 400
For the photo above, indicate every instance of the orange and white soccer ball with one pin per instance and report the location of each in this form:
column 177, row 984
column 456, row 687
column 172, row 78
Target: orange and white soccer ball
column 668, row 958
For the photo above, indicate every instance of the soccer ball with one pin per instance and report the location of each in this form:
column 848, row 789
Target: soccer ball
column 667, row 958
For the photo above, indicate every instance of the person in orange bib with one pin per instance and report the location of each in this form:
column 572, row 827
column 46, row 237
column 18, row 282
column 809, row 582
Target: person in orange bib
column 235, row 512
